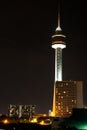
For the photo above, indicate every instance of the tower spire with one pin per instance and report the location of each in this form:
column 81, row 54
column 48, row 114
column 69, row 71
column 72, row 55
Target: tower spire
column 58, row 28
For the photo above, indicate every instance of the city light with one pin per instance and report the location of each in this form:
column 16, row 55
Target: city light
column 5, row 121
column 34, row 120
column 80, row 125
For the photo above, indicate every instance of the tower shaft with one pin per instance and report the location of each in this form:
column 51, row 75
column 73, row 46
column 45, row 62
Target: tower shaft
column 58, row 64
column 58, row 43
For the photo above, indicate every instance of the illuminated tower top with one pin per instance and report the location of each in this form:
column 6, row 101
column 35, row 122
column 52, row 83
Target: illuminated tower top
column 58, row 43
column 58, row 39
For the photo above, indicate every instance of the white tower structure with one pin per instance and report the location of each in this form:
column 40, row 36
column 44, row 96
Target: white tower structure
column 58, row 43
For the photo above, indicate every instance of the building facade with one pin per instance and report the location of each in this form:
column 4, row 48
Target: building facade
column 19, row 111
column 67, row 95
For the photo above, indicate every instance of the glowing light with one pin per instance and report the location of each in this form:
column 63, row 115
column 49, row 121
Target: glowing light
column 58, row 45
column 58, row 28
column 44, row 114
column 51, row 113
column 70, row 112
column 5, row 121
column 64, row 91
column 82, row 126
column 42, row 123
column 45, row 122
column 34, row 120
column 58, row 35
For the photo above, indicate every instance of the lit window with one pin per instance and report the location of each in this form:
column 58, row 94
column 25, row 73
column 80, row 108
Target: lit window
column 67, row 109
column 58, row 107
column 69, row 112
column 64, row 91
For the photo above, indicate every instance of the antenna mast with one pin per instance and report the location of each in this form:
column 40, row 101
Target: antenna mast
column 59, row 28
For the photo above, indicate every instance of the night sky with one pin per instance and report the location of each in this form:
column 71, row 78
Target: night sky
column 26, row 56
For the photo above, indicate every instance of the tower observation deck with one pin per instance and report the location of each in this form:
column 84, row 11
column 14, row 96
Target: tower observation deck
column 58, row 43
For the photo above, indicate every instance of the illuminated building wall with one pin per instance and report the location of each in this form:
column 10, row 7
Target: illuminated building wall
column 68, row 95
column 21, row 110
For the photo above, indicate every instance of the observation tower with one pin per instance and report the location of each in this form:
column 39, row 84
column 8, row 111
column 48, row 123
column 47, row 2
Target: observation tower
column 58, row 43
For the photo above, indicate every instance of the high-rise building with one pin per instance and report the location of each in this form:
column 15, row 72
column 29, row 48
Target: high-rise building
column 67, row 94
column 19, row 111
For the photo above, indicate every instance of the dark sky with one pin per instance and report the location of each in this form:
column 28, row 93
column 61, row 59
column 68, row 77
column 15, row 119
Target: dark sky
column 26, row 56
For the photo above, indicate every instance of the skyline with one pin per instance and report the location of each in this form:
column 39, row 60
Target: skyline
column 27, row 59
